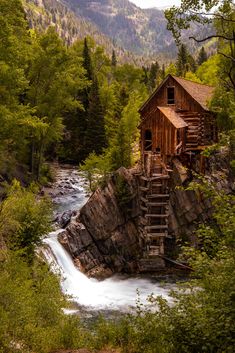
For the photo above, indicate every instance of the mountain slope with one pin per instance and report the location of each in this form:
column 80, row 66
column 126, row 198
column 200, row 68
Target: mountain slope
column 142, row 31
column 70, row 26
column 138, row 36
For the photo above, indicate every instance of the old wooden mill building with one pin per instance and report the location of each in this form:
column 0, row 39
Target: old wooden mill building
column 175, row 122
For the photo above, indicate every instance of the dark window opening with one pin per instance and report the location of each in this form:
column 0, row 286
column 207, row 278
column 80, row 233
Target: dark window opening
column 178, row 137
column 170, row 95
column 148, row 140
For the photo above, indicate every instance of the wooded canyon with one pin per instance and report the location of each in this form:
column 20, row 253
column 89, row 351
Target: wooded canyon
column 117, row 174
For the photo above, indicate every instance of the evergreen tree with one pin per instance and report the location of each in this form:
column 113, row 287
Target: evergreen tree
column 145, row 79
column 114, row 59
column 163, row 72
column 87, row 61
column 182, row 60
column 202, row 56
column 82, row 114
column 191, row 63
column 95, row 139
column 153, row 75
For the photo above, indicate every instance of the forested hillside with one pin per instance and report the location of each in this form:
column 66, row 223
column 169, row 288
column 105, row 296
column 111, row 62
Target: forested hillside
column 137, row 30
column 79, row 104
column 138, row 36
column 71, row 27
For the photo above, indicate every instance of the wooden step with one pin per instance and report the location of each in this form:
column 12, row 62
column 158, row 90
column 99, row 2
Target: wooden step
column 159, row 226
column 158, row 174
column 143, row 188
column 159, row 177
column 144, row 178
column 154, row 250
column 156, row 177
column 157, row 235
column 157, row 204
column 157, row 196
column 151, row 264
column 152, row 215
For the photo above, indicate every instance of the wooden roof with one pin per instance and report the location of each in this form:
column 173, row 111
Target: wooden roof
column 173, row 117
column 199, row 92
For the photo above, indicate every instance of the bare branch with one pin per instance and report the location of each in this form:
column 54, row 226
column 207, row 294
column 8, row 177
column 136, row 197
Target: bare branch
column 210, row 37
column 212, row 15
column 227, row 56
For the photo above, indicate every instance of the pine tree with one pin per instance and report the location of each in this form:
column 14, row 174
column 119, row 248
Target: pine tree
column 95, row 139
column 82, row 115
column 163, row 72
column 191, row 63
column 182, row 60
column 114, row 59
column 87, row 60
column 202, row 56
column 153, row 75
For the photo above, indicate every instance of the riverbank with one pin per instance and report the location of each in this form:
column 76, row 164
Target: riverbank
column 117, row 293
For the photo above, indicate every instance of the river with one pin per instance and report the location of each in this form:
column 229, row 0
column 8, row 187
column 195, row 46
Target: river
column 116, row 293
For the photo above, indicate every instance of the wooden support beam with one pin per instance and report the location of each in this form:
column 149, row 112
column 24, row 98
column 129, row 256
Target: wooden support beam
column 157, row 204
column 159, row 226
column 155, row 236
column 152, row 215
column 143, row 188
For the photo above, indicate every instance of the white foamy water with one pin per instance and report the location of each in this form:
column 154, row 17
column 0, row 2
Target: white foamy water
column 113, row 293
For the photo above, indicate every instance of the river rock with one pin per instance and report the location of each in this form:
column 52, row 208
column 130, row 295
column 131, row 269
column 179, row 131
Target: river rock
column 64, row 219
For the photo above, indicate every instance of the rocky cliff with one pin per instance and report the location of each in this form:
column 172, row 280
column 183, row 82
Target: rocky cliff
column 107, row 236
column 104, row 238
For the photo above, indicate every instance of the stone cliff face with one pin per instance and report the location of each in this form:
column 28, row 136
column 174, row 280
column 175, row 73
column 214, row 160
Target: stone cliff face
column 104, row 238
column 107, row 236
column 189, row 208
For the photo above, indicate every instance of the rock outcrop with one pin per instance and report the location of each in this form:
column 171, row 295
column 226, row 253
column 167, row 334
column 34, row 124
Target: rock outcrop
column 104, row 238
column 188, row 208
column 107, row 236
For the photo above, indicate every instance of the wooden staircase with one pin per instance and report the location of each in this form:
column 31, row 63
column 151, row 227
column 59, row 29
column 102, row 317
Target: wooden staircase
column 154, row 203
column 194, row 121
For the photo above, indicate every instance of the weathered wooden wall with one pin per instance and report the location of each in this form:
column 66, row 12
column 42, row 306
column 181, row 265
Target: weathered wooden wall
column 183, row 101
column 201, row 129
column 164, row 134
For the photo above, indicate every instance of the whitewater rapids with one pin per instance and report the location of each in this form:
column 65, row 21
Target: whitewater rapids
column 115, row 293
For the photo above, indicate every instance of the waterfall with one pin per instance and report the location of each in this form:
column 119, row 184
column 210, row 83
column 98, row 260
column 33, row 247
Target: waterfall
column 114, row 293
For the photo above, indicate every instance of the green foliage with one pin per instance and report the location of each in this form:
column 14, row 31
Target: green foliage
column 185, row 61
column 95, row 139
column 114, row 59
column 121, row 148
column 202, row 56
column 96, row 169
column 201, row 319
column 208, row 72
column 123, row 193
column 31, row 309
column 221, row 16
column 154, row 74
column 170, row 70
column 24, row 219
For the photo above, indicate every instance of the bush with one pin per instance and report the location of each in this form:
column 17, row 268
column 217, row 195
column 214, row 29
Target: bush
column 24, row 219
column 31, row 305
